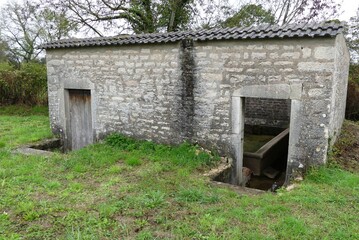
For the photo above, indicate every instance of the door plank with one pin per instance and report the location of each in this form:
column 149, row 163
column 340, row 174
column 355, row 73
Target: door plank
column 80, row 118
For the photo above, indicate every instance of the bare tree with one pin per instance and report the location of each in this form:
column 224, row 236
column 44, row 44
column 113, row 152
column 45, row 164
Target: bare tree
column 27, row 24
column 211, row 13
column 104, row 17
column 18, row 24
column 353, row 37
column 294, row 11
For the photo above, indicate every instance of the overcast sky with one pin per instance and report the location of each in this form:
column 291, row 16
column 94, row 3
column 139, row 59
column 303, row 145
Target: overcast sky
column 349, row 8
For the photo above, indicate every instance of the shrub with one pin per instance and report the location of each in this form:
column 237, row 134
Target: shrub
column 34, row 83
column 8, row 84
column 26, row 85
column 354, row 73
column 352, row 106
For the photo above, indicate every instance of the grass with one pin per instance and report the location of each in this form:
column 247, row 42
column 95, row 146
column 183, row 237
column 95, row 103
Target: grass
column 140, row 190
column 19, row 125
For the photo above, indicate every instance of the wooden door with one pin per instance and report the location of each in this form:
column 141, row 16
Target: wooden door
column 80, row 120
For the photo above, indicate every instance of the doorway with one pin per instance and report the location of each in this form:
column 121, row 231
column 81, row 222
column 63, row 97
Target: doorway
column 266, row 141
column 78, row 119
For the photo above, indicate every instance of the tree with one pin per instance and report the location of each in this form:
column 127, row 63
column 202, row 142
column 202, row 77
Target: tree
column 103, row 17
column 280, row 12
column 174, row 14
column 3, row 51
column 27, row 24
column 55, row 25
column 249, row 15
column 211, row 13
column 353, row 37
column 294, row 11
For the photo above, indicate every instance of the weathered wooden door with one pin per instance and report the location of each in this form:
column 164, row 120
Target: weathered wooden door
column 80, row 119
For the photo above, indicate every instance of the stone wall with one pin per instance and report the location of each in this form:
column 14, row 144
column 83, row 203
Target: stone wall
column 136, row 89
column 183, row 91
column 267, row 112
column 265, row 63
column 339, row 90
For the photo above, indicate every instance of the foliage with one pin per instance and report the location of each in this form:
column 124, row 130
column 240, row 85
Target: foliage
column 27, row 85
column 54, row 24
column 93, row 194
column 175, row 14
column 354, row 73
column 3, row 50
column 283, row 12
column 249, row 15
column 345, row 152
column 185, row 154
column 27, row 24
column 138, row 16
column 352, row 106
column 211, row 13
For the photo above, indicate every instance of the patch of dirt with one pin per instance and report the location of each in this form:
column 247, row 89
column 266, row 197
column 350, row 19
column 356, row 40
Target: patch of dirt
column 346, row 149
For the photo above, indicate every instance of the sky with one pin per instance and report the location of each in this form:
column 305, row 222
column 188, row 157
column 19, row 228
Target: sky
column 349, row 8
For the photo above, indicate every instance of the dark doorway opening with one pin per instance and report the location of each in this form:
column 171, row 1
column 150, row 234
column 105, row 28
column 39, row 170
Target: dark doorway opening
column 266, row 139
column 265, row 132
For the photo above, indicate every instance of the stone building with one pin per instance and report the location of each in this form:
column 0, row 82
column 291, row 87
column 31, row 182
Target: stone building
column 171, row 87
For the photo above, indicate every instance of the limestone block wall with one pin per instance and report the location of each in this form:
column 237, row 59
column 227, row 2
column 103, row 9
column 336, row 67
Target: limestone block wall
column 227, row 66
column 339, row 90
column 267, row 112
column 135, row 89
column 183, row 91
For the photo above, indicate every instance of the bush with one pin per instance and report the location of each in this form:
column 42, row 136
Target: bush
column 26, row 85
column 352, row 106
column 354, row 73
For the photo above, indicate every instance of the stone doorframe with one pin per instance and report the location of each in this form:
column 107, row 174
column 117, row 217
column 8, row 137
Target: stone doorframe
column 275, row 91
column 64, row 104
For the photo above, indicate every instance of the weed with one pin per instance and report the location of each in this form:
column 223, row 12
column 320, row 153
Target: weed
column 291, row 226
column 196, row 195
column 133, row 161
column 115, row 169
column 107, row 210
column 153, row 199
column 145, row 235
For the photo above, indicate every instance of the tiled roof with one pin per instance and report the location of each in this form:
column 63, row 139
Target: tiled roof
column 259, row 32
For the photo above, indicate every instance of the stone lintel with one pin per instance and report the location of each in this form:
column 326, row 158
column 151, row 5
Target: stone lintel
column 276, row 91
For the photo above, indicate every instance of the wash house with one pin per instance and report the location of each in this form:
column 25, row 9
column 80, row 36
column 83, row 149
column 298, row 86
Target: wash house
column 209, row 87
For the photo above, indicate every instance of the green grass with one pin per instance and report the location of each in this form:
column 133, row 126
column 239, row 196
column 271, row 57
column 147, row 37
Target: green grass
column 20, row 125
column 15, row 110
column 141, row 190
